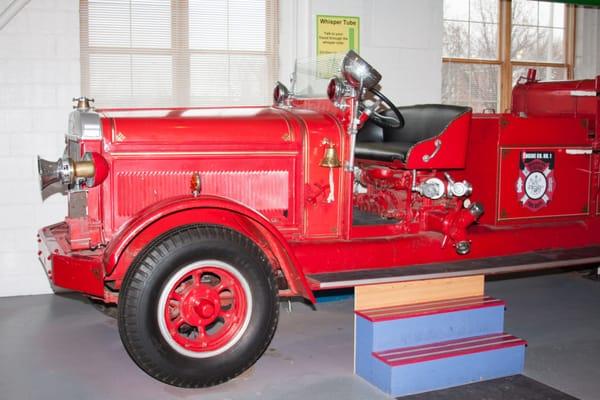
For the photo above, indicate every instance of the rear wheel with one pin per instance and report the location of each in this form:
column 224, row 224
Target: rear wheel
column 198, row 306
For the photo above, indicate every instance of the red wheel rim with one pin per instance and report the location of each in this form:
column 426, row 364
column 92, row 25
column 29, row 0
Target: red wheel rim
column 204, row 308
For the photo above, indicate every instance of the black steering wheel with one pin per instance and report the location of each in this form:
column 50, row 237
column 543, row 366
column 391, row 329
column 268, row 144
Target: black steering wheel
column 394, row 121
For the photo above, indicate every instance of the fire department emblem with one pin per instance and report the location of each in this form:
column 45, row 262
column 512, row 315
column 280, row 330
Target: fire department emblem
column 536, row 183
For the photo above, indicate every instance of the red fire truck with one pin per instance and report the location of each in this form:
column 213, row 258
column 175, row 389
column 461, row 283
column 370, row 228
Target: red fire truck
column 195, row 221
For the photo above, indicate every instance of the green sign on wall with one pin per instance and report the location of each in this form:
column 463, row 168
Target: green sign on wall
column 337, row 34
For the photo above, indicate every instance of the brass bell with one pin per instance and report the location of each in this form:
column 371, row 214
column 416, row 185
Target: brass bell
column 330, row 158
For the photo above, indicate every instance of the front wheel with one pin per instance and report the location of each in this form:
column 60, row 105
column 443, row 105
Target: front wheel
column 198, row 306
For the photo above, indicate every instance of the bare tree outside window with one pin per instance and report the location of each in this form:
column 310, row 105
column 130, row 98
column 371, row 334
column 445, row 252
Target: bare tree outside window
column 471, row 31
column 538, row 35
column 478, row 70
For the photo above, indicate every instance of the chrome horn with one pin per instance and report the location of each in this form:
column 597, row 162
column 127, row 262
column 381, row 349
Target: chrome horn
column 70, row 174
column 53, row 172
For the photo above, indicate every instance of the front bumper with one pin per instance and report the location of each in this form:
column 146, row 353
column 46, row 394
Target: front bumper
column 81, row 271
column 48, row 245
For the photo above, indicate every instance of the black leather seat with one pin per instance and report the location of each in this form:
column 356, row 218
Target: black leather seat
column 421, row 122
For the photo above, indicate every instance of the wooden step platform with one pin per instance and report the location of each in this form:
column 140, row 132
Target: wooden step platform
column 406, row 345
column 404, row 326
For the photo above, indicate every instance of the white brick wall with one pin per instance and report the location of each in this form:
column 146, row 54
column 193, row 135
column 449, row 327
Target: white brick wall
column 39, row 74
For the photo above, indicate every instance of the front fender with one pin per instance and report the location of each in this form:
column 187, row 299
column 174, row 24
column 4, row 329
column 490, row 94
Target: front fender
column 184, row 210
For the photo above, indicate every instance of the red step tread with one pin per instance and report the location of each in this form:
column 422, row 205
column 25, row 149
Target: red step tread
column 428, row 308
column 451, row 348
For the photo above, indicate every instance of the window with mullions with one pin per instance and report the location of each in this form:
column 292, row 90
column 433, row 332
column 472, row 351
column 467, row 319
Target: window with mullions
column 480, row 69
column 471, row 29
column 471, row 50
column 538, row 39
column 178, row 52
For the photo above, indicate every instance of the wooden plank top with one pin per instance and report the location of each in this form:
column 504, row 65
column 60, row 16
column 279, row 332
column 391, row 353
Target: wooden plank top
column 413, row 292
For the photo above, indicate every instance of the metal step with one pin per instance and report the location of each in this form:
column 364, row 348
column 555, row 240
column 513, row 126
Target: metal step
column 485, row 266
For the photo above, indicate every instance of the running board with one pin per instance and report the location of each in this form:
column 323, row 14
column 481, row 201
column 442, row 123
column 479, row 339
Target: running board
column 484, row 266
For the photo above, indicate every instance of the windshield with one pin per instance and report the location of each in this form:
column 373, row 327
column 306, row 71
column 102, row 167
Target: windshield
column 311, row 75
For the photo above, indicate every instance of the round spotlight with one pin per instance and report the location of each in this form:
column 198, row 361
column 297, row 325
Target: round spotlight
column 358, row 72
column 280, row 94
column 335, row 90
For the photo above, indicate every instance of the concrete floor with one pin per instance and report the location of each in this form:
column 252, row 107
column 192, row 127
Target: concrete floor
column 60, row 347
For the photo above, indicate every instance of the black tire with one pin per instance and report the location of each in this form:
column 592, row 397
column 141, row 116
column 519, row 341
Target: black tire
column 147, row 277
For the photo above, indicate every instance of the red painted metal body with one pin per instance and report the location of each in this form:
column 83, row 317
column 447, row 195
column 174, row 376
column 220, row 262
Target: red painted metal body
column 260, row 174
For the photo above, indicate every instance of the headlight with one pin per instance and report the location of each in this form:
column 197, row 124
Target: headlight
column 335, row 90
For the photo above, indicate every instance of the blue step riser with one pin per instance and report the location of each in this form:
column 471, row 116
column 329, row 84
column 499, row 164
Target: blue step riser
column 432, row 328
column 447, row 372
column 384, row 335
column 363, row 347
column 437, row 327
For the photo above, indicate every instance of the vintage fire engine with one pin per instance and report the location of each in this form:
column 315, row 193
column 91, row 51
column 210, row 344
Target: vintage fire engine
column 196, row 220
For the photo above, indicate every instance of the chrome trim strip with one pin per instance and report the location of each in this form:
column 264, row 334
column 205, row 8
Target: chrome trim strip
column 576, row 152
column 583, row 93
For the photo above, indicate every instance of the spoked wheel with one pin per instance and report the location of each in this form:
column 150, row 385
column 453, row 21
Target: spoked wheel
column 204, row 308
column 198, row 306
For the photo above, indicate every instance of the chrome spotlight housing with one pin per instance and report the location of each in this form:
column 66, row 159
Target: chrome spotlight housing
column 281, row 94
column 358, row 72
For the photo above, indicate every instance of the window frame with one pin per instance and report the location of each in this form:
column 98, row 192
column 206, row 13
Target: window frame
column 504, row 60
column 179, row 49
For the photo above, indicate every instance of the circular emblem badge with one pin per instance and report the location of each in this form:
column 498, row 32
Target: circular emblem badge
column 536, row 184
